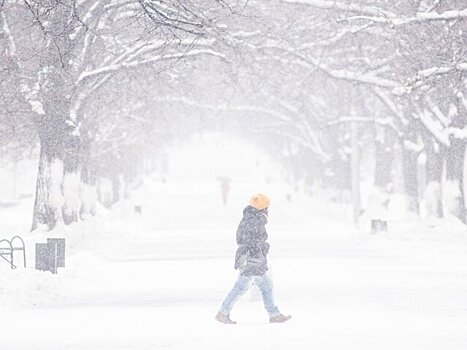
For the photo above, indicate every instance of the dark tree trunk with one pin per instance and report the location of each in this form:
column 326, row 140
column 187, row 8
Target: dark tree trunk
column 48, row 199
column 89, row 191
column 455, row 179
column 377, row 206
column 410, row 158
column 116, row 188
column 56, row 91
column 384, row 155
column 455, row 199
column 71, row 180
column 410, row 154
column 88, row 179
column 434, row 172
column 104, row 191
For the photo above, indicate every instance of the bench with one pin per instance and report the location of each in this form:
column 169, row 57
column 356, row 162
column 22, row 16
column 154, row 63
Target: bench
column 9, row 247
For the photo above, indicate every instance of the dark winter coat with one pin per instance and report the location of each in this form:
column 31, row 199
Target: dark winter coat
column 251, row 255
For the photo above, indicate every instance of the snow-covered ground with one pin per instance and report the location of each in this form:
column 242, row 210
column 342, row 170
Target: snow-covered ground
column 156, row 280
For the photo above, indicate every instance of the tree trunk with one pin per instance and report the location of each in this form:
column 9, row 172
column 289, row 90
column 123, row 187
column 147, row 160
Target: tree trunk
column 434, row 171
column 355, row 162
column 454, row 193
column 49, row 199
column 104, row 192
column 410, row 178
column 71, row 180
column 116, row 188
column 54, row 127
column 384, row 155
column 88, row 193
column 377, row 206
column 53, row 132
column 88, row 188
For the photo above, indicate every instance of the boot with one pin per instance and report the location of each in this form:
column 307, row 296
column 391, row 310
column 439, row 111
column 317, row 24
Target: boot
column 224, row 318
column 279, row 319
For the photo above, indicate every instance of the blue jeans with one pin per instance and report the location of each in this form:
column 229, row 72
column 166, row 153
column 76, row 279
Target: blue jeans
column 242, row 285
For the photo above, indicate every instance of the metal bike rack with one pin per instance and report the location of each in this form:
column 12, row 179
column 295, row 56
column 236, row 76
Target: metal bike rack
column 8, row 248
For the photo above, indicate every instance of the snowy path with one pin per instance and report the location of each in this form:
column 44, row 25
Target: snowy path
column 162, row 287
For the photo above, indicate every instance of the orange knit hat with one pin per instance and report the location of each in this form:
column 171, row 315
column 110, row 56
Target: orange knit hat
column 259, row 201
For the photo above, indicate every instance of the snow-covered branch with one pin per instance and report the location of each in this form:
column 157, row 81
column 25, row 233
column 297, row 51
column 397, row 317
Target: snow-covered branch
column 341, row 73
column 380, row 15
column 156, row 58
column 417, row 18
column 303, row 132
column 30, row 94
column 433, row 125
column 92, row 11
column 174, row 15
column 341, row 6
column 388, row 101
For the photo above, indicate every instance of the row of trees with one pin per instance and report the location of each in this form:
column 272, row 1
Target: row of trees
column 414, row 63
column 103, row 83
column 393, row 71
column 63, row 61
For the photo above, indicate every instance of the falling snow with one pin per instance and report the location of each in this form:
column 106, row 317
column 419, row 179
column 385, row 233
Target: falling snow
column 138, row 131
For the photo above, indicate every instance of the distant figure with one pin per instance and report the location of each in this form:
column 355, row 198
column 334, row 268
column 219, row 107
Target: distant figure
column 138, row 209
column 251, row 261
column 225, row 188
column 378, row 210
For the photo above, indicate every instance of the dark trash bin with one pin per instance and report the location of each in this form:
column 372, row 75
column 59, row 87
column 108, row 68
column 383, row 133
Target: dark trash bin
column 50, row 255
column 42, row 257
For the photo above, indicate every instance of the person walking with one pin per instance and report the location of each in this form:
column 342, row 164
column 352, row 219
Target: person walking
column 251, row 261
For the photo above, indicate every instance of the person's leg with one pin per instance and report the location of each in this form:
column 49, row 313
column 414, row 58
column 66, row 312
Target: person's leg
column 265, row 285
column 240, row 287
